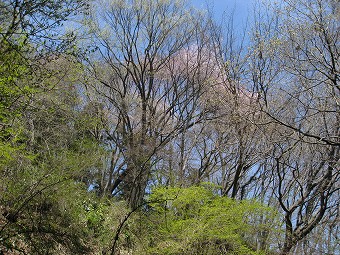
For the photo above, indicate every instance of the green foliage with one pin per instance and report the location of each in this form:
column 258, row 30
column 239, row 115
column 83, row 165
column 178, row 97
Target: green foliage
column 196, row 220
column 100, row 216
column 43, row 159
column 38, row 212
column 14, row 94
column 95, row 216
column 44, row 169
column 46, row 209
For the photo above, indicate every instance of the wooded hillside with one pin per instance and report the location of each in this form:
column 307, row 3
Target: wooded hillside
column 152, row 127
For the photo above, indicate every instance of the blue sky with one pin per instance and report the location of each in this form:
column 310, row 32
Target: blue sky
column 241, row 8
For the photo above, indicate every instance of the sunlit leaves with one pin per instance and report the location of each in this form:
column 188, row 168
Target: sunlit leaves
column 198, row 220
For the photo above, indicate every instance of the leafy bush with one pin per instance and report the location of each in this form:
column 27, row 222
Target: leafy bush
column 196, row 220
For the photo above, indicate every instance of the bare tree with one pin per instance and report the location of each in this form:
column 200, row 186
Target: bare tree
column 148, row 72
column 297, row 78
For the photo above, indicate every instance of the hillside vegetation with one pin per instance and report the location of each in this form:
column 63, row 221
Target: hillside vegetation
column 152, row 127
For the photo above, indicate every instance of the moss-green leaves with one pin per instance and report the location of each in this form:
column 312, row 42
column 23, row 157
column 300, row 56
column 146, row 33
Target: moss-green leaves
column 197, row 220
